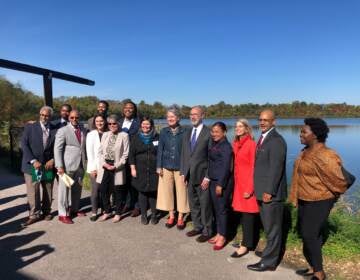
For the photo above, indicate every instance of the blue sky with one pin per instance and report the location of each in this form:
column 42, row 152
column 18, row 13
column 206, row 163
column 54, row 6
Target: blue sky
column 189, row 51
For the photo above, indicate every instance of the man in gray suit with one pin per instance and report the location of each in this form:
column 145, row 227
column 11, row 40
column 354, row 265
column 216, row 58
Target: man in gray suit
column 69, row 154
column 270, row 189
column 194, row 170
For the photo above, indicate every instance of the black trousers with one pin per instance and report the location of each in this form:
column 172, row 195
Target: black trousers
column 221, row 206
column 131, row 200
column 201, row 209
column 107, row 187
column 250, row 223
column 312, row 216
column 147, row 199
column 272, row 219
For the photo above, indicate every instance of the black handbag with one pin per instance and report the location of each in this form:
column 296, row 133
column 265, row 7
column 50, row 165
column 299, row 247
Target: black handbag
column 350, row 179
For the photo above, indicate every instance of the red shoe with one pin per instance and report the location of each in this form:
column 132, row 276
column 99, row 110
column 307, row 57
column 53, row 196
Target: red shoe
column 65, row 220
column 212, row 241
column 219, row 247
column 170, row 222
column 180, row 224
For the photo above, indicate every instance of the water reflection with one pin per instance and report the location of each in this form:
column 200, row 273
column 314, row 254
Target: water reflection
column 343, row 137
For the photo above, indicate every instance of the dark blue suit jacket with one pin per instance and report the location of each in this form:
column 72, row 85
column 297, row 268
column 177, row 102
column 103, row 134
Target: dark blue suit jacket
column 220, row 163
column 134, row 128
column 32, row 146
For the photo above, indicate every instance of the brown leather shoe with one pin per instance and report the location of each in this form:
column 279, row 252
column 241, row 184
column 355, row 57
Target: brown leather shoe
column 192, row 233
column 30, row 221
column 48, row 217
column 135, row 212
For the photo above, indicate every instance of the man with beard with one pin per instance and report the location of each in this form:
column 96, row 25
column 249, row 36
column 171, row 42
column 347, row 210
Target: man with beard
column 65, row 110
column 102, row 109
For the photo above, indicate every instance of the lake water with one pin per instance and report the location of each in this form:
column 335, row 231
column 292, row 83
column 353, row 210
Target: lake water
column 344, row 137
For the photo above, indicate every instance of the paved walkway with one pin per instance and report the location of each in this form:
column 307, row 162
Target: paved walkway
column 127, row 250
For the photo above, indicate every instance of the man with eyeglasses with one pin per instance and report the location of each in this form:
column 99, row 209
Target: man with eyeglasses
column 37, row 144
column 270, row 189
column 65, row 110
column 69, row 154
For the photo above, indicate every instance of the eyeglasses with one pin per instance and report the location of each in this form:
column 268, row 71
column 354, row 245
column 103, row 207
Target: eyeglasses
column 74, row 118
column 112, row 123
column 44, row 115
column 265, row 120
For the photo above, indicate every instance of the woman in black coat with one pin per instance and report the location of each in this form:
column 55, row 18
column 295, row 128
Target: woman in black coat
column 142, row 160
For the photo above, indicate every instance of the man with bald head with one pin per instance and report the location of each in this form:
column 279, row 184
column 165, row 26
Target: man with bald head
column 69, row 154
column 194, row 171
column 270, row 189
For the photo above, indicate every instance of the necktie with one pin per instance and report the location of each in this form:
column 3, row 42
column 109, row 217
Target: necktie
column 78, row 134
column 258, row 145
column 193, row 140
column 45, row 135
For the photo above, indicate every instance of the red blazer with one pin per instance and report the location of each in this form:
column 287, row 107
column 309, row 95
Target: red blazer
column 244, row 160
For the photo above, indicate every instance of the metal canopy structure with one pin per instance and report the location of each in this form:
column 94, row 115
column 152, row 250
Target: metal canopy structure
column 47, row 74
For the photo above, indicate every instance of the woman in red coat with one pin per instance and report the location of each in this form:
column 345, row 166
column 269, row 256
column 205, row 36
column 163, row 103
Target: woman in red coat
column 244, row 200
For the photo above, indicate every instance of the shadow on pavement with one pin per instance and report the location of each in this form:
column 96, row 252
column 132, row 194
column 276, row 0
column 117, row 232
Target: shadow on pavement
column 14, row 258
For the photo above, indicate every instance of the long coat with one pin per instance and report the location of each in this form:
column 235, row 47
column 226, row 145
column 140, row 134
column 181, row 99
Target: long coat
column 121, row 154
column 244, row 160
column 143, row 156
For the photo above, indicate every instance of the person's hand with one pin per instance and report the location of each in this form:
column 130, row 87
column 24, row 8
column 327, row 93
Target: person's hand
column 266, row 197
column 160, row 171
column 204, row 184
column 49, row 164
column 60, row 171
column 133, row 172
column 93, row 174
column 37, row 164
column 218, row 191
column 183, row 179
column 246, row 195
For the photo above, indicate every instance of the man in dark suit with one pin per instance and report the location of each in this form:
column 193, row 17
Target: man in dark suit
column 270, row 189
column 130, row 124
column 37, row 145
column 194, row 170
column 65, row 110
column 102, row 109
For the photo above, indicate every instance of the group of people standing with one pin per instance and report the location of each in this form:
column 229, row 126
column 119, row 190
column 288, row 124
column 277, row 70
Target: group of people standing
column 185, row 170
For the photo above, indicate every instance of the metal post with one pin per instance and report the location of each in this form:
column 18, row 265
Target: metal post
column 47, row 79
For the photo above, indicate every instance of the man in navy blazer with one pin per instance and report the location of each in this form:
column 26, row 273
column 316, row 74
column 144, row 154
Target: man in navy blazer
column 65, row 110
column 270, row 189
column 37, row 145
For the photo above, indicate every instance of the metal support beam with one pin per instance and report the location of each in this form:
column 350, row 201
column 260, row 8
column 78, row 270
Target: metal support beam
column 47, row 76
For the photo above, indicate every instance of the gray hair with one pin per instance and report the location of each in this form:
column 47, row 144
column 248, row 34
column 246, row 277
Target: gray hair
column 47, row 108
column 175, row 109
column 112, row 117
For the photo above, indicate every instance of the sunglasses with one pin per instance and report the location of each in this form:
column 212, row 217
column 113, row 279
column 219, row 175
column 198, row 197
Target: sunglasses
column 112, row 123
column 74, row 118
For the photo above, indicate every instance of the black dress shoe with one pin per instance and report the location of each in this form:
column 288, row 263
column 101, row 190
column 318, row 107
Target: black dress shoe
column 258, row 254
column 203, row 238
column 236, row 245
column 316, row 278
column 260, row 267
column 154, row 220
column 47, row 217
column 93, row 218
column 304, row 272
column 144, row 220
column 193, row 232
column 236, row 255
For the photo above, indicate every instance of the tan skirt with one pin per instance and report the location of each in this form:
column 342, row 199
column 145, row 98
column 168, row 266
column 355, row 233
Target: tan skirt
column 166, row 196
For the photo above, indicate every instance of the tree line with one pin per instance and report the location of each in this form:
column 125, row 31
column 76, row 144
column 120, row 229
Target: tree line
column 19, row 105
